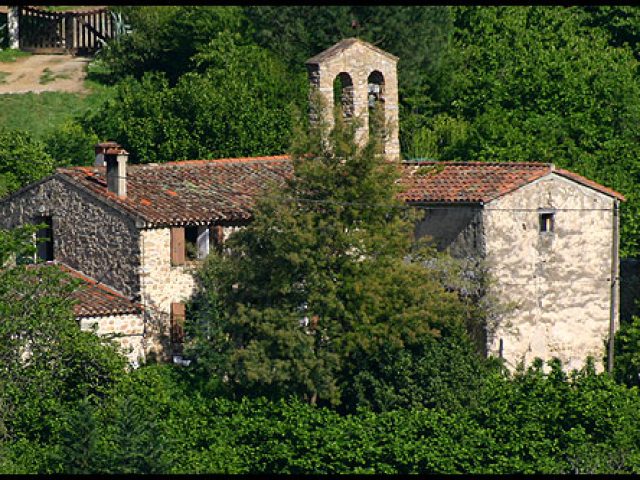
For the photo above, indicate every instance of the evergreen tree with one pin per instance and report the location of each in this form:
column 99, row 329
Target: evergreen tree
column 321, row 281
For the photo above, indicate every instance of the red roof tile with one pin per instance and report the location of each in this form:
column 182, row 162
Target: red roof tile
column 472, row 182
column 190, row 191
column 94, row 299
column 209, row 191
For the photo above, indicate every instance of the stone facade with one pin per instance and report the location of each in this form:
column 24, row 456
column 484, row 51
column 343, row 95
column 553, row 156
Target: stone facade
column 357, row 61
column 163, row 284
column 557, row 283
column 89, row 235
column 561, row 280
column 128, row 331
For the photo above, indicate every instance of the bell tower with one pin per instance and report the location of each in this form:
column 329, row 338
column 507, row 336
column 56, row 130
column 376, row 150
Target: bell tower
column 362, row 78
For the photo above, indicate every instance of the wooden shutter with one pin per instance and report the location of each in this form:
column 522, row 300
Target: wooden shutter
column 216, row 237
column 177, row 323
column 177, row 246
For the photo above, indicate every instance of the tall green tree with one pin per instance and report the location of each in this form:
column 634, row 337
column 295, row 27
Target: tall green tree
column 319, row 282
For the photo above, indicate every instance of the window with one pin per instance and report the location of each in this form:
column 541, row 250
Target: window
column 547, row 222
column 193, row 242
column 375, row 102
column 44, row 239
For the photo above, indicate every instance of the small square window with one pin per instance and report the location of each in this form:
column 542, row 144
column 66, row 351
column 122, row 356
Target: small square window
column 547, row 222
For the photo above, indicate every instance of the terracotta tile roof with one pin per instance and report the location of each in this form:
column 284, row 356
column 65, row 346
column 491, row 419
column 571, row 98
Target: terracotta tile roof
column 96, row 299
column 190, row 191
column 589, row 183
column 210, row 191
column 474, row 182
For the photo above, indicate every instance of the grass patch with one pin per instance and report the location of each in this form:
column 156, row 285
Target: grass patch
column 3, row 77
column 43, row 112
column 11, row 55
column 48, row 76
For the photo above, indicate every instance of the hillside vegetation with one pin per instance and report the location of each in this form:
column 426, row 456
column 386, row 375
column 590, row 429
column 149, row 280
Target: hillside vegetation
column 308, row 358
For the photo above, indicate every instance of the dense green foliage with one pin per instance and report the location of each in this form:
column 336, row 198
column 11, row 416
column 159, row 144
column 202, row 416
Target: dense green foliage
column 23, row 160
column 155, row 420
column 327, row 342
column 164, row 39
column 46, row 362
column 237, row 102
column 627, row 353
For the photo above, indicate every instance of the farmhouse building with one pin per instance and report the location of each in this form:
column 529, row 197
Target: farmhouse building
column 134, row 233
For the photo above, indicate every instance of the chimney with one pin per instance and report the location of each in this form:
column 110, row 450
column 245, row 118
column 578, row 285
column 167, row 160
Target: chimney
column 114, row 157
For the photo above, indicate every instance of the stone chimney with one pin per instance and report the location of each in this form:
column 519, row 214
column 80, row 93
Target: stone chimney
column 114, row 157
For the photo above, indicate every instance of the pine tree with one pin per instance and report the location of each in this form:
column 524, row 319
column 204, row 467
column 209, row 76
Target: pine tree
column 321, row 279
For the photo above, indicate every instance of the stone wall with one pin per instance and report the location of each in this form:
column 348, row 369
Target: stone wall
column 162, row 284
column 88, row 235
column 457, row 229
column 126, row 330
column 359, row 61
column 560, row 281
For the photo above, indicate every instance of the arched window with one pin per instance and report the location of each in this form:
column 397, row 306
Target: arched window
column 375, row 99
column 343, row 94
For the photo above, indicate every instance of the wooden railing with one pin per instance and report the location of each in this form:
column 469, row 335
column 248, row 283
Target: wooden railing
column 75, row 32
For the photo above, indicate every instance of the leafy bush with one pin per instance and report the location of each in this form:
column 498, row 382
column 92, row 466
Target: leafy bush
column 238, row 104
column 23, row 160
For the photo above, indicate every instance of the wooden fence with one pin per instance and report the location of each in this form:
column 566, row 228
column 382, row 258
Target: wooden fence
column 75, row 32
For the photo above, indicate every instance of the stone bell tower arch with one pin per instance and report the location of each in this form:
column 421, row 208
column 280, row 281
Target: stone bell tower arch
column 362, row 76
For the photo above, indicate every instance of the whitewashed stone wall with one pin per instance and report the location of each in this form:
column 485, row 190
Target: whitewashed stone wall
column 126, row 330
column 560, row 281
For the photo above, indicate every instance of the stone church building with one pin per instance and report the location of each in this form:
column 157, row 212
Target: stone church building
column 133, row 234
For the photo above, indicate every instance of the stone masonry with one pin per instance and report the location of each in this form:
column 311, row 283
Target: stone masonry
column 358, row 60
column 128, row 331
column 556, row 285
column 89, row 235
column 560, row 280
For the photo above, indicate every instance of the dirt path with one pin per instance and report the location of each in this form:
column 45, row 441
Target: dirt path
column 43, row 73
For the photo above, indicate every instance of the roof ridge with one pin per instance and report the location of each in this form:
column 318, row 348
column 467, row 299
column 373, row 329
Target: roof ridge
column 342, row 45
column 226, row 160
column 477, row 163
column 89, row 169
